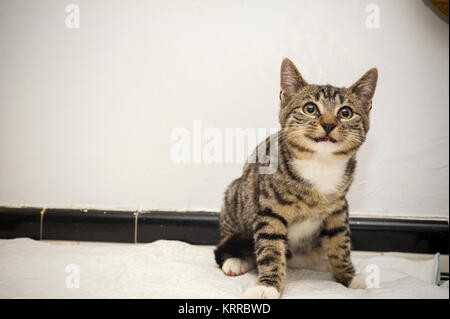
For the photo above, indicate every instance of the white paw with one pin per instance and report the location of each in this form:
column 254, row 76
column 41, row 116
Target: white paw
column 358, row 282
column 261, row 292
column 236, row 266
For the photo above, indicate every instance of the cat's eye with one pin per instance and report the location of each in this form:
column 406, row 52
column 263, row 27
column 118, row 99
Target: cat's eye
column 310, row 109
column 345, row 113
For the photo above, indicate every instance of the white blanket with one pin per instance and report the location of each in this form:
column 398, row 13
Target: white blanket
column 173, row 269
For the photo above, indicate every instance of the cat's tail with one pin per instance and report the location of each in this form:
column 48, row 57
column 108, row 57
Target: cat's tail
column 237, row 245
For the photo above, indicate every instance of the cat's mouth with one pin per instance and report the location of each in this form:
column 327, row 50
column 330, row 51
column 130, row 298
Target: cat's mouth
column 325, row 138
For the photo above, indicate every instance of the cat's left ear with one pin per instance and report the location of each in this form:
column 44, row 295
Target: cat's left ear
column 364, row 88
column 291, row 81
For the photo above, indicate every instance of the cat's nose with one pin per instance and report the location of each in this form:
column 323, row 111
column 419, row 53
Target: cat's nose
column 328, row 127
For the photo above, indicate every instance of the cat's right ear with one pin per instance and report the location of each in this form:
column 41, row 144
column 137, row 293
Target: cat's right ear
column 364, row 88
column 291, row 81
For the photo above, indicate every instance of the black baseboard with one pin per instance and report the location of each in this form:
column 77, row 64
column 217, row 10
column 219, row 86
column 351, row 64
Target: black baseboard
column 201, row 228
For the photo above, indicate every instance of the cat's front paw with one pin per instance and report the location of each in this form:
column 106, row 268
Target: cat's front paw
column 358, row 282
column 236, row 266
column 261, row 292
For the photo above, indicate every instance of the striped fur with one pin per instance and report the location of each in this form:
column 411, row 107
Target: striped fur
column 299, row 210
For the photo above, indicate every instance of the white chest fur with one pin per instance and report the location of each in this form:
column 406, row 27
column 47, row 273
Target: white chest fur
column 302, row 230
column 326, row 174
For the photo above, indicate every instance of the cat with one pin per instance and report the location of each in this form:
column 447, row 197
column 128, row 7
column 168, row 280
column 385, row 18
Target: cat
column 297, row 216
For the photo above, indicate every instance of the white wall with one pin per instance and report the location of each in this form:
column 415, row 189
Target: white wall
column 86, row 114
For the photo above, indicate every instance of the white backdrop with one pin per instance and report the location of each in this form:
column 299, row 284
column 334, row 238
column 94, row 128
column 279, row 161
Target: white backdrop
column 86, row 114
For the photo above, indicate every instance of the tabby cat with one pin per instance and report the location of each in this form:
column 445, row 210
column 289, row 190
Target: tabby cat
column 297, row 216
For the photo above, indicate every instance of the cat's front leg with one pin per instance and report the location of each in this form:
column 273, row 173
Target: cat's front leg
column 336, row 240
column 270, row 235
